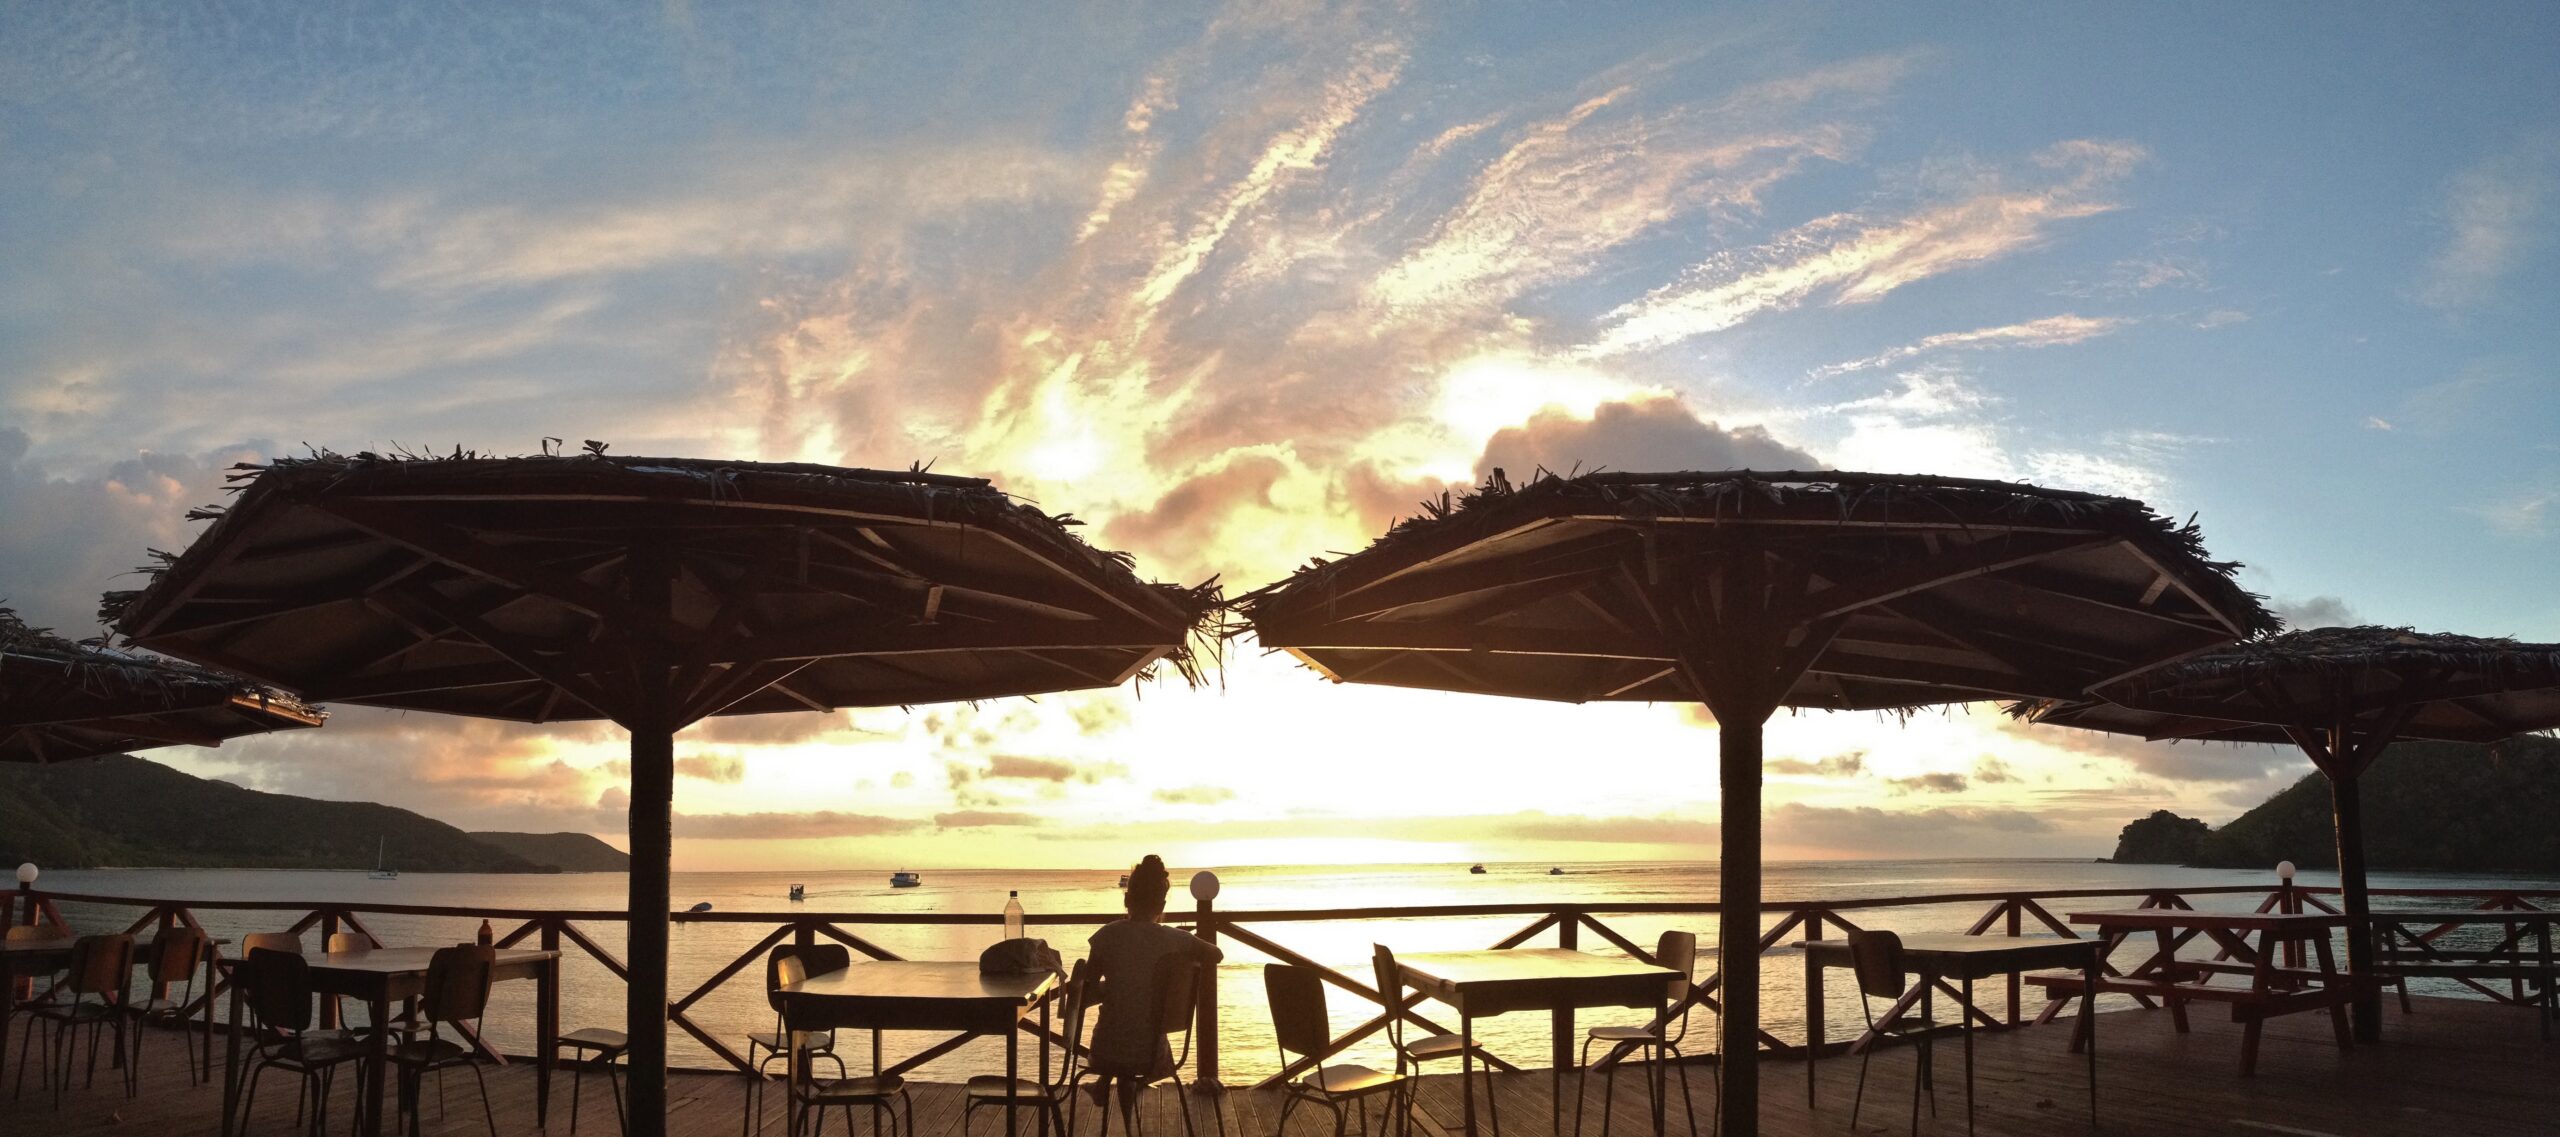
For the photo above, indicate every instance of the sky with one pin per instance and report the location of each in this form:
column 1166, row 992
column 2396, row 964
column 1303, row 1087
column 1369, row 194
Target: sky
column 1238, row 285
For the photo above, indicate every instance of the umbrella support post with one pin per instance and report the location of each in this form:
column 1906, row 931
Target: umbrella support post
column 652, row 799
column 1738, row 928
column 2347, row 808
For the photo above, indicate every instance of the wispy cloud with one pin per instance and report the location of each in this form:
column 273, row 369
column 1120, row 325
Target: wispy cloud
column 2048, row 331
column 2494, row 214
column 1850, row 258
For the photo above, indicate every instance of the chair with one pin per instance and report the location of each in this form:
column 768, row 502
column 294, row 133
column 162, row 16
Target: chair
column 595, row 1046
column 456, row 994
column 53, row 990
column 172, row 958
column 277, row 984
column 101, row 970
column 1176, row 988
column 1660, row 1042
column 1877, row 959
column 1057, row 1097
column 815, row 959
column 811, row 1098
column 1301, row 1029
column 1428, row 1048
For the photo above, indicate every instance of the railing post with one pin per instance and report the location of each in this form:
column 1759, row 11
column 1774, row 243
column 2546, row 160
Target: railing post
column 1568, row 937
column 547, row 1013
column 1206, row 1026
column 1813, row 1009
column 2017, row 913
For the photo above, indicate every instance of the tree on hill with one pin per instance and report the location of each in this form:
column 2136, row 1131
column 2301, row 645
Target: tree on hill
column 2164, row 838
column 2442, row 806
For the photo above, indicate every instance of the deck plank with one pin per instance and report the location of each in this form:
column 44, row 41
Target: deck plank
column 2453, row 1066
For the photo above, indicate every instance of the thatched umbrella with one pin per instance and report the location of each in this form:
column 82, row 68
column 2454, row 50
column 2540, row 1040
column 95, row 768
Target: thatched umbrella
column 652, row 592
column 1753, row 591
column 61, row 700
column 2342, row 695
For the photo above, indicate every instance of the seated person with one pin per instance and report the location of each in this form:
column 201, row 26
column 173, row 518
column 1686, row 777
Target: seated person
column 1126, row 1043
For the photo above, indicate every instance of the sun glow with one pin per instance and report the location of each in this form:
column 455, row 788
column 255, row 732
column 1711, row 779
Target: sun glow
column 1485, row 394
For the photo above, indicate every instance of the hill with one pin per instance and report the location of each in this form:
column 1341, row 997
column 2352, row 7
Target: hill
column 123, row 811
column 568, row 852
column 2439, row 806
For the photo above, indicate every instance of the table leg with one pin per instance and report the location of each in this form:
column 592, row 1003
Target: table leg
column 1467, row 1070
column 377, row 1009
column 8, row 1008
column 205, row 1052
column 1966, row 1015
column 230, row 1062
column 1042, row 1122
column 2329, row 985
column 2089, row 1030
column 1661, row 1072
column 1013, row 1074
column 546, row 1029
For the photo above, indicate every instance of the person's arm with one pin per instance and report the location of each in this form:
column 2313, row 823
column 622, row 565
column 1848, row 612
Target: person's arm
column 1205, row 951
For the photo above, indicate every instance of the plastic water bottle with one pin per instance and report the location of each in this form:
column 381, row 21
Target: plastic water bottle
column 1013, row 915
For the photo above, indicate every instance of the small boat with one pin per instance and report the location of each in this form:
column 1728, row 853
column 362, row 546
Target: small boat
column 904, row 879
column 1476, row 871
column 1124, row 882
column 797, row 892
column 1555, row 872
column 700, row 906
column 381, row 871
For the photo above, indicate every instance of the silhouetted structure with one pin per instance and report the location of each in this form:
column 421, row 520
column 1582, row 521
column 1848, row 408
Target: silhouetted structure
column 61, row 700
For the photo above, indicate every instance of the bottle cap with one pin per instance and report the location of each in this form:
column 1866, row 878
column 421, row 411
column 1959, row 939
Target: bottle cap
column 1013, row 892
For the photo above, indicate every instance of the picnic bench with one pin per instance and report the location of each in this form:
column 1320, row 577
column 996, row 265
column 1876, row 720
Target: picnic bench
column 2517, row 956
column 2252, row 945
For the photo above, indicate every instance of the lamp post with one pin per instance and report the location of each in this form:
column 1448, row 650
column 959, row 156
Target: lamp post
column 27, row 887
column 2288, row 902
column 1204, row 890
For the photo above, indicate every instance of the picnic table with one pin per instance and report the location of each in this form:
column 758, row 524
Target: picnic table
column 1481, row 984
column 2417, row 944
column 2251, row 947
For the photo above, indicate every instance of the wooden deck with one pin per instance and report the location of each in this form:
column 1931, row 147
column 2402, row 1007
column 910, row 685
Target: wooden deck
column 2454, row 1066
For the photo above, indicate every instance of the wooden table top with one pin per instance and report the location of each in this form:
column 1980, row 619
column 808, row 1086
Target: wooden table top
column 1952, row 955
column 2174, row 918
column 924, row 980
column 402, row 960
column 1516, row 965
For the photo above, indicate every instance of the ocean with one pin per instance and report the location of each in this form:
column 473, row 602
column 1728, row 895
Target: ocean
column 592, row 997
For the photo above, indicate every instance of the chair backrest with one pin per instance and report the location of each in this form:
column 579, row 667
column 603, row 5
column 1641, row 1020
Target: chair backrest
column 787, row 969
column 23, row 933
column 1679, row 952
column 1177, row 993
column 1073, row 999
column 174, row 955
column 815, row 959
column 1298, row 1021
column 458, row 980
column 1877, row 958
column 349, row 941
column 101, row 965
column 1390, row 991
column 279, row 986
column 272, row 941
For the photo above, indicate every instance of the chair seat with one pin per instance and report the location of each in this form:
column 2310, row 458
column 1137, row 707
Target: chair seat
column 1348, row 1078
column 155, row 1006
column 813, row 1041
column 82, row 1011
column 998, row 1088
column 1625, row 1034
column 1434, row 1046
column 429, row 1052
column 854, row 1091
column 1909, row 1024
column 596, row 1038
column 316, row 1048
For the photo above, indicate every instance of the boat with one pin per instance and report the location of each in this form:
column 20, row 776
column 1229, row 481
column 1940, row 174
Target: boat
column 700, row 906
column 381, row 871
column 1476, row 871
column 797, row 891
column 1555, row 872
column 1124, row 882
column 904, row 879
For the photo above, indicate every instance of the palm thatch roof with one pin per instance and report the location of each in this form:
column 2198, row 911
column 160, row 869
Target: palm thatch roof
column 469, row 584
column 2425, row 685
column 63, row 699
column 1951, row 589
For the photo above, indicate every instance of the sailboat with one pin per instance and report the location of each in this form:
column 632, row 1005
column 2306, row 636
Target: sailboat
column 381, row 871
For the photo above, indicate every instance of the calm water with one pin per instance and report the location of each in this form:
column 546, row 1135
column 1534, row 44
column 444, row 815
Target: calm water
column 591, row 996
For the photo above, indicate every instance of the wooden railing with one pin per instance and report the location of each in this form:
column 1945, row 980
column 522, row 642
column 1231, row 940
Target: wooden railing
column 2007, row 914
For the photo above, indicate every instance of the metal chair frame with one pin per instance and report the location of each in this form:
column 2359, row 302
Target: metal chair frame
column 1430, row 1048
column 1876, row 956
column 52, row 993
column 277, row 983
column 807, row 1098
column 608, row 1048
column 97, row 981
column 1058, row 1098
column 1678, row 951
column 827, row 958
column 1176, row 985
column 457, row 993
column 1300, row 1027
column 174, row 956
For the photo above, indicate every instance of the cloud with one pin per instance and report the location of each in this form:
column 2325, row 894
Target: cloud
column 725, row 769
column 2524, row 512
column 2182, row 762
column 1935, row 783
column 983, row 818
column 1647, row 433
column 1867, row 830
column 2493, row 216
column 1847, row 765
column 1194, row 795
column 2049, row 331
column 133, row 504
column 769, row 826
column 1847, row 258
column 1029, row 769
column 1537, row 826
column 2315, row 612
column 1991, row 771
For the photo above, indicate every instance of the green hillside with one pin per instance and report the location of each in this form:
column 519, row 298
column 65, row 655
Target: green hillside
column 2442, row 806
column 569, row 852
column 125, row 812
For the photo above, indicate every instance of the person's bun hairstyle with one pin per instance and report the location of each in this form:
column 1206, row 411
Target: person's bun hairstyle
column 1148, row 883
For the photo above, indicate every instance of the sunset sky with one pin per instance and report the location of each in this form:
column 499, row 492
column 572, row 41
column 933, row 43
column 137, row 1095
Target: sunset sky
column 1239, row 285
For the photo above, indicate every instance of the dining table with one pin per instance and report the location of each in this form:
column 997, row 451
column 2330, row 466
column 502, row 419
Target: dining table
column 1940, row 957
column 930, row 995
column 1498, row 981
column 385, row 975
